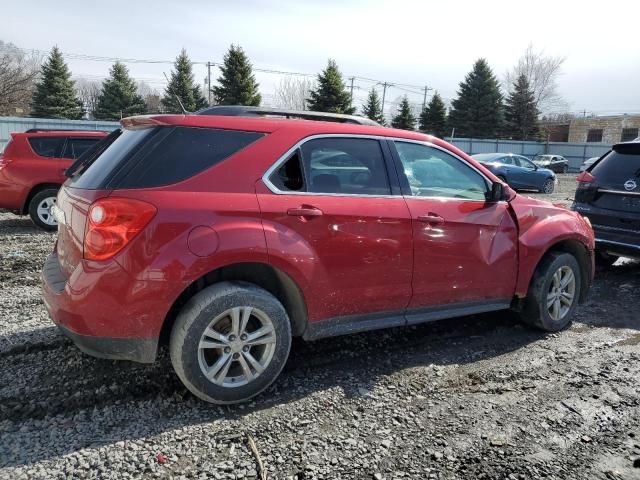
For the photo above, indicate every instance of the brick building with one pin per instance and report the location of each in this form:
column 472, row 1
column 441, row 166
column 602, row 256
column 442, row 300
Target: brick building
column 606, row 129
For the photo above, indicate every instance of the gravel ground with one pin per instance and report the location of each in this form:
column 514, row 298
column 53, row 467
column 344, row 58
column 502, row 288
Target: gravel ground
column 475, row 397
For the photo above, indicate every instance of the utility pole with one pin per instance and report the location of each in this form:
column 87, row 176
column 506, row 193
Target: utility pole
column 209, row 81
column 384, row 94
column 424, row 100
column 352, row 79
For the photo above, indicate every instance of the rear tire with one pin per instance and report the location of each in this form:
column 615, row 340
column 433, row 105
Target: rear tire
column 549, row 186
column 40, row 209
column 565, row 169
column 548, row 305
column 230, row 342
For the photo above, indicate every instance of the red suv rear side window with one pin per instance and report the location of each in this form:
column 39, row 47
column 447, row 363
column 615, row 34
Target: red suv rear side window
column 47, row 146
column 158, row 156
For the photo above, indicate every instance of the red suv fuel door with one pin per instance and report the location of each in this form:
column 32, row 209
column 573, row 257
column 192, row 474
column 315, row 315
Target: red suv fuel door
column 464, row 247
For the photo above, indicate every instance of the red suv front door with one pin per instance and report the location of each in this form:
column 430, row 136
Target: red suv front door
column 329, row 212
column 465, row 248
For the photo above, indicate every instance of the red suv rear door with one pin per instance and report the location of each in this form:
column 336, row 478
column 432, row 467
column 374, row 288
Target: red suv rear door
column 465, row 248
column 48, row 165
column 329, row 213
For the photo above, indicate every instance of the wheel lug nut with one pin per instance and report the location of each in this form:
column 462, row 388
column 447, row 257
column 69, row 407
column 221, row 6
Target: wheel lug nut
column 227, row 350
column 232, row 338
column 243, row 337
column 245, row 348
column 236, row 355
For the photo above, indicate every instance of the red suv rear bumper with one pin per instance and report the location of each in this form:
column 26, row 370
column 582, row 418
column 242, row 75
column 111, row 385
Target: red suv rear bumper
column 102, row 310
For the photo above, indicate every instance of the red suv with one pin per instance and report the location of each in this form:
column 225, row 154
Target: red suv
column 32, row 170
column 226, row 236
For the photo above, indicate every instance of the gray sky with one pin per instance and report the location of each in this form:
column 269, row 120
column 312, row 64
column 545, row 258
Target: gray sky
column 411, row 42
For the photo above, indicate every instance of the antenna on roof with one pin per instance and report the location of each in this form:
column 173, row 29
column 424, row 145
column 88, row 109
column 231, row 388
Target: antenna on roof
column 184, row 110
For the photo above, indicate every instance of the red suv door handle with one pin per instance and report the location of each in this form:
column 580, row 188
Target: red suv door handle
column 431, row 218
column 304, row 211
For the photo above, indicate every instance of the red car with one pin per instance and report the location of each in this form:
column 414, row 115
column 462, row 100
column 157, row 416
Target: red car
column 32, row 170
column 226, row 236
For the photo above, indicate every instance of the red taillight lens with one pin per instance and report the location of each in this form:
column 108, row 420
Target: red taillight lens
column 112, row 223
column 585, row 177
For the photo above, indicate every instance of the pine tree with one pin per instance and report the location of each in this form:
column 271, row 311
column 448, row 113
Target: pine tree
column 521, row 114
column 119, row 97
column 404, row 118
column 330, row 95
column 237, row 84
column 373, row 108
column 182, row 85
column 478, row 110
column 55, row 95
column 433, row 118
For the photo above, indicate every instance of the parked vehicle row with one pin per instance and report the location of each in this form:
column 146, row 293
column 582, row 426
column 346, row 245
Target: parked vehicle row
column 225, row 235
column 518, row 171
column 32, row 170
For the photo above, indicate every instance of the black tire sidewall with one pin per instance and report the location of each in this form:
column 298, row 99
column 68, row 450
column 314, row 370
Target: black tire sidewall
column 545, row 320
column 211, row 306
column 33, row 208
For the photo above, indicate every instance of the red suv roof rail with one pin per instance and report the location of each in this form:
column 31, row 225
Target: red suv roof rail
column 39, row 130
column 245, row 111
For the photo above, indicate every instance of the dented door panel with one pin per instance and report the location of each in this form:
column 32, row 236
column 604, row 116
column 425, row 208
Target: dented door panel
column 470, row 256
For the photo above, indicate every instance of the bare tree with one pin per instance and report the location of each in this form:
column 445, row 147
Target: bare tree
column 292, row 92
column 18, row 73
column 151, row 97
column 88, row 92
column 542, row 72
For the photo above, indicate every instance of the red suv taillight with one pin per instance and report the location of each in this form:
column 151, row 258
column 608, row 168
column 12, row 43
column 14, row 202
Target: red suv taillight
column 112, row 223
column 585, row 177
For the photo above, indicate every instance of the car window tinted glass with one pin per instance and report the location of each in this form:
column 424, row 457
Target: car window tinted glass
column 47, row 146
column 289, row 176
column 507, row 161
column 434, row 173
column 352, row 166
column 96, row 171
column 178, row 153
column 616, row 168
column 77, row 146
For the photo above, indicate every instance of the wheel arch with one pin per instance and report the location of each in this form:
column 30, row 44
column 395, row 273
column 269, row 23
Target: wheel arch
column 574, row 247
column 33, row 192
column 272, row 279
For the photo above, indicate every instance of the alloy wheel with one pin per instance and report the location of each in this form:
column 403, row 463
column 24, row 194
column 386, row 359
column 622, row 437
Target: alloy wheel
column 562, row 292
column 44, row 211
column 237, row 346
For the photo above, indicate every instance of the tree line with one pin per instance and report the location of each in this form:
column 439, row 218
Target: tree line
column 480, row 109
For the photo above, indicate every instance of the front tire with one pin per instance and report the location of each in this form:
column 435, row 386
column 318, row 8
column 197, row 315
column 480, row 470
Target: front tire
column 40, row 209
column 548, row 186
column 553, row 294
column 230, row 342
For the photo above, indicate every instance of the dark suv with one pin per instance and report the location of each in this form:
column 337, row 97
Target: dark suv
column 226, row 236
column 608, row 194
